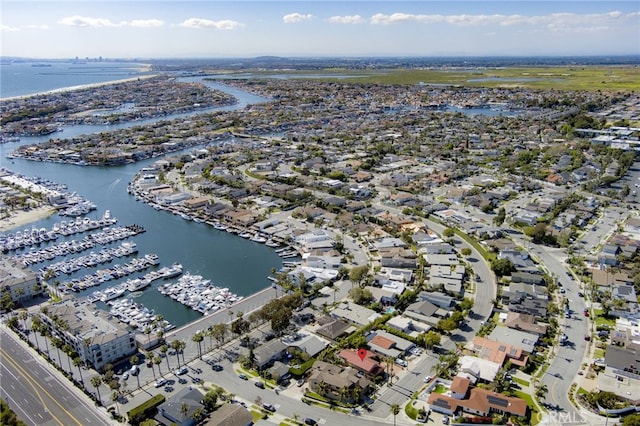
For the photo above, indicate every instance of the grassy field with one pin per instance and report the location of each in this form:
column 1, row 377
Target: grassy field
column 589, row 78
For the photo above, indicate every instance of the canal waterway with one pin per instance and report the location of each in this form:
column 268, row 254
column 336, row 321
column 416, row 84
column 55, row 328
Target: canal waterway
column 224, row 258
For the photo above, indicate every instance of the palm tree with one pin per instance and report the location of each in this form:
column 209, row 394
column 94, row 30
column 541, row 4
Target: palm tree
column 114, row 397
column 344, row 393
column 96, row 381
column 77, row 362
column 157, row 360
column 134, row 361
column 68, row 350
column 184, row 409
column 36, row 327
column 322, row 387
column 389, row 362
column 356, row 392
column 175, row 345
column 163, row 351
column 395, row 410
column 182, row 345
column 23, row 315
column 57, row 343
column 541, row 391
column 198, row 338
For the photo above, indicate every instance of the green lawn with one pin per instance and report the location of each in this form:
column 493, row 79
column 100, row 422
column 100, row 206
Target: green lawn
column 521, row 382
column 602, row 320
column 440, row 388
column 535, row 417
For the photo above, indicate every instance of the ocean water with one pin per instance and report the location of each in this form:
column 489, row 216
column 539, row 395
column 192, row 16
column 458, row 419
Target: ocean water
column 28, row 78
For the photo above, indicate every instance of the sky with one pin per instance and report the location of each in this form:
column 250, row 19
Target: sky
column 317, row 28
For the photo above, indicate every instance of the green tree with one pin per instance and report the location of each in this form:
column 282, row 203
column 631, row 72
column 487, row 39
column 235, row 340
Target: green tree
column 500, row 216
column 395, row 410
column 503, row 267
column 431, row 339
column 198, row 338
column 96, row 381
column 357, row 274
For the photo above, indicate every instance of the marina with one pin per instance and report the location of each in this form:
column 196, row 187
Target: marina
column 135, row 284
column 137, row 316
column 199, row 294
column 103, row 275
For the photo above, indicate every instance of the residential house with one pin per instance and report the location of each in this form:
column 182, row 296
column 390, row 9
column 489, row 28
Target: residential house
column 368, row 365
column 515, row 338
column 332, row 328
column 268, row 352
column 172, row 412
column 481, row 402
column 230, row 415
column 341, row 383
column 525, row 322
column 498, row 352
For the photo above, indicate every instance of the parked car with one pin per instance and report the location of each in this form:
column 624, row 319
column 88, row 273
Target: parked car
column 268, row 407
column 299, row 383
column 134, row 370
column 181, row 371
column 401, row 362
column 445, row 420
column 243, row 376
column 125, row 376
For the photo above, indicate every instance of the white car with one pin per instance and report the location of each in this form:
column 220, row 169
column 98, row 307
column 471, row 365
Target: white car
column 427, row 379
column 402, row 362
column 160, row 382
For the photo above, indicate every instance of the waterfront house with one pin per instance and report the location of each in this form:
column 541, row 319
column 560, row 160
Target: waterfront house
column 96, row 338
column 20, row 283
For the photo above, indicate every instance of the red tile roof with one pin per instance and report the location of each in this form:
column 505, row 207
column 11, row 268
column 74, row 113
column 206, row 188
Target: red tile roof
column 366, row 364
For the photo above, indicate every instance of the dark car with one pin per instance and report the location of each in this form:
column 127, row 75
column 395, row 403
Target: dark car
column 259, row 385
column 310, row 421
column 216, row 367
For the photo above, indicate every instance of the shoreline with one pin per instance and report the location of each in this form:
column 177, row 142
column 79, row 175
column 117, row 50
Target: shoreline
column 79, row 87
column 22, row 218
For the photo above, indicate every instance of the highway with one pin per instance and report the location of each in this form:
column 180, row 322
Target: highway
column 37, row 393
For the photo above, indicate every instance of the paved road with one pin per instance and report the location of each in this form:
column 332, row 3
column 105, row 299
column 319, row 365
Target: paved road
column 37, row 393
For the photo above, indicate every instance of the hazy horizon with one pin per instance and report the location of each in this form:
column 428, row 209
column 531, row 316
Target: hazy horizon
column 248, row 29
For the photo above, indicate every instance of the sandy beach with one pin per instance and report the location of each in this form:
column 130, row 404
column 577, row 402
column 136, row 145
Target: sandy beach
column 21, row 218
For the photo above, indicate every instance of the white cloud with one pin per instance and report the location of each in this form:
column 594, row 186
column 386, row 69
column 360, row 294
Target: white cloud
column 85, row 21
column 89, row 22
column 207, row 23
column 554, row 22
column 7, row 29
column 146, row 23
column 354, row 19
column 293, row 18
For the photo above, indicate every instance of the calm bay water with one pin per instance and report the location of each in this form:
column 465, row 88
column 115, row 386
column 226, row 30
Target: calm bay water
column 28, row 78
column 226, row 259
